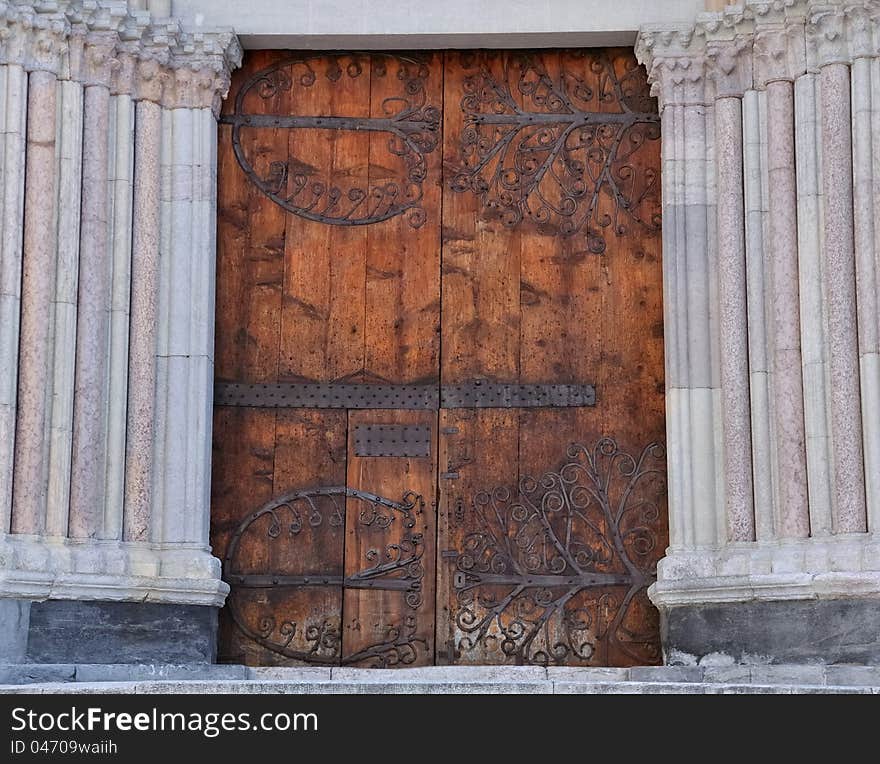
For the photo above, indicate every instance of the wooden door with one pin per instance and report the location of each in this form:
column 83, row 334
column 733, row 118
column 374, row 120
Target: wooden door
column 439, row 421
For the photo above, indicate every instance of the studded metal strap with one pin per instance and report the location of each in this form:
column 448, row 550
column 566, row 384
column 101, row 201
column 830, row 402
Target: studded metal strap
column 476, row 394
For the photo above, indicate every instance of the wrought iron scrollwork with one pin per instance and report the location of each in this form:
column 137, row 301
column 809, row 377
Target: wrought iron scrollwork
column 411, row 124
column 546, row 149
column 552, row 570
column 298, row 517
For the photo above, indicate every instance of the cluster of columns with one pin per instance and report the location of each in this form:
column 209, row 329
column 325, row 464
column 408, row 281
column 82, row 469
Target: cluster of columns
column 107, row 215
column 771, row 181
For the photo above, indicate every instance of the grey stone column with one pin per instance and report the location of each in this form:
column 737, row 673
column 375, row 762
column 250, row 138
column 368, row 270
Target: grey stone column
column 731, row 72
column 690, row 278
column 866, row 207
column 13, row 126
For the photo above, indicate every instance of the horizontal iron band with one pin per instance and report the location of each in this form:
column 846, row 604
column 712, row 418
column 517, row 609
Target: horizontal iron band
column 268, row 581
column 478, row 394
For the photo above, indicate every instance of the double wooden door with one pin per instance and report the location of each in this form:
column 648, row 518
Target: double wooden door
column 439, row 359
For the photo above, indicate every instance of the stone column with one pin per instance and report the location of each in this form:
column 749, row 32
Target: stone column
column 31, row 466
column 91, row 400
column 121, row 131
column 677, row 65
column 861, row 33
column 186, row 325
column 756, row 192
column 731, row 71
column 60, row 384
column 829, row 49
column 13, row 125
column 777, row 73
column 144, row 296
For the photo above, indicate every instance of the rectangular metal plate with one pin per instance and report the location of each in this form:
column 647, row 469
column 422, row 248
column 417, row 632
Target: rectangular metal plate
column 476, row 394
column 392, row 440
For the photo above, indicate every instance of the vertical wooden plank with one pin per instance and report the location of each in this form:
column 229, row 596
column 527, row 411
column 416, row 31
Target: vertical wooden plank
column 310, row 452
column 631, row 376
column 243, row 458
column 403, row 253
column 249, row 270
column 384, row 626
column 323, row 314
column 478, row 452
column 480, row 267
column 480, row 330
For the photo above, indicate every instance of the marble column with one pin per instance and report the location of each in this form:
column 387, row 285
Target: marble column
column 13, row 126
column 756, row 192
column 60, row 383
column 121, row 131
column 690, row 286
column 186, row 327
column 814, row 354
column 731, row 71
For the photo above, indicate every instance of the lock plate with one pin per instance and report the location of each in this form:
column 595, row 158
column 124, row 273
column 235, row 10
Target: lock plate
column 406, row 440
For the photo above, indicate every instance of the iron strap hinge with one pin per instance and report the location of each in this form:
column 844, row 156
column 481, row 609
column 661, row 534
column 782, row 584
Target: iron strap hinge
column 476, row 394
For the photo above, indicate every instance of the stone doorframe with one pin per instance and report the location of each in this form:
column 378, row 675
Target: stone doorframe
column 771, row 127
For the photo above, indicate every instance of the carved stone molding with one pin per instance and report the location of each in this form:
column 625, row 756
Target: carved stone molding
column 103, row 42
column 786, row 38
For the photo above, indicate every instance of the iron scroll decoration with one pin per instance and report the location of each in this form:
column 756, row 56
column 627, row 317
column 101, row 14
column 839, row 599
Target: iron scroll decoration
column 550, row 572
column 411, row 124
column 547, row 150
column 296, row 517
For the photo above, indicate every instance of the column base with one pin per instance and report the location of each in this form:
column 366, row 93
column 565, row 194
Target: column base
column 68, row 631
column 771, row 632
column 797, row 601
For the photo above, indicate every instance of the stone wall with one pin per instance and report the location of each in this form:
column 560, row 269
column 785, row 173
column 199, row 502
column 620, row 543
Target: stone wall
column 107, row 215
column 771, row 133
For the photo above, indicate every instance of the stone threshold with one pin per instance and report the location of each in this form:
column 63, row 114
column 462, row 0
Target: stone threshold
column 234, row 679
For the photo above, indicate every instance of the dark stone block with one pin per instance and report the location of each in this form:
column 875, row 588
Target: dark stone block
column 14, row 619
column 797, row 631
column 67, row 631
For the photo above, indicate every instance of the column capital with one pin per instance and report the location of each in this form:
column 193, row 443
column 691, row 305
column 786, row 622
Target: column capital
column 826, row 36
column 730, row 65
column 862, row 29
column 779, row 54
column 201, row 65
column 676, row 62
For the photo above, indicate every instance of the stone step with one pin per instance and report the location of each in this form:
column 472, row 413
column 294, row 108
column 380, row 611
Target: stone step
column 225, row 679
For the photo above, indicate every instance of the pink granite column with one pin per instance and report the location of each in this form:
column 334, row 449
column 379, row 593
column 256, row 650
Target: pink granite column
column 849, row 512
column 88, row 465
column 792, row 518
column 38, row 283
column 142, row 336
column 734, row 335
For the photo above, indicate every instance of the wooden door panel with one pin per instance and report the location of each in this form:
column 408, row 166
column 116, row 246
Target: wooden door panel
column 443, row 228
column 552, row 164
